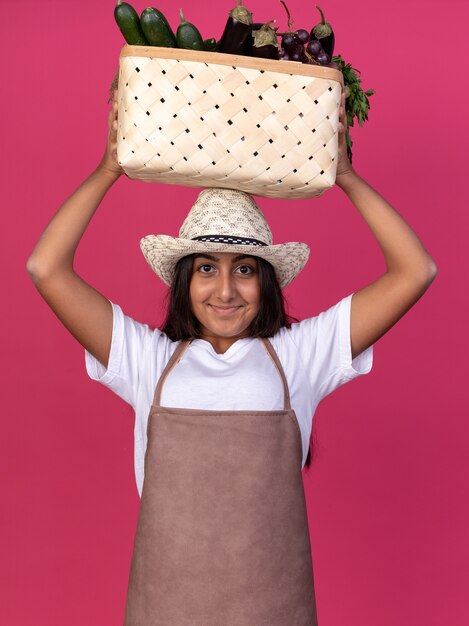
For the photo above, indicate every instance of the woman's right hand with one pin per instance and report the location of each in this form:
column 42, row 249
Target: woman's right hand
column 109, row 161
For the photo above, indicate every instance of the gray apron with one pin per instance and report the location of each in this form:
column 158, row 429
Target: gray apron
column 222, row 536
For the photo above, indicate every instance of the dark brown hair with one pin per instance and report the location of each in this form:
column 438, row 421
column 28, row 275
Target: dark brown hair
column 181, row 323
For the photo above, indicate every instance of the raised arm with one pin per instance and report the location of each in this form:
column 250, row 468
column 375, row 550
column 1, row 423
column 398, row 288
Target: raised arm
column 85, row 312
column 410, row 268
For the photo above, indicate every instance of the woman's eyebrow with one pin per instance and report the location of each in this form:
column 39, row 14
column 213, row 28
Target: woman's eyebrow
column 211, row 257
column 240, row 257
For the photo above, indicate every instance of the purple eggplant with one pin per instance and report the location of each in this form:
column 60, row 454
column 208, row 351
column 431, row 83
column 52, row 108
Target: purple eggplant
column 237, row 31
column 247, row 51
column 323, row 32
column 265, row 42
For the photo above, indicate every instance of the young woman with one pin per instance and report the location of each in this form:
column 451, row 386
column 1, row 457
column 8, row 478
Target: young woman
column 224, row 393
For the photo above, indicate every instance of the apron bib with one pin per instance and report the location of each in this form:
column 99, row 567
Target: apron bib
column 222, row 536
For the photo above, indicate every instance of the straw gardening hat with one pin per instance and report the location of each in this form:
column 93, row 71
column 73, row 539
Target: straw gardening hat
column 224, row 220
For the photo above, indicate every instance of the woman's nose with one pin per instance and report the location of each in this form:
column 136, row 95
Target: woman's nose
column 226, row 289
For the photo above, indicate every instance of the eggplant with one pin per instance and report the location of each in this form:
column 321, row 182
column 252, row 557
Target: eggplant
column 249, row 42
column 323, row 32
column 265, row 42
column 237, row 31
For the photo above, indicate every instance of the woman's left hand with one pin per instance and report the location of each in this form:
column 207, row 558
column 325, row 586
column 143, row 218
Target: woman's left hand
column 109, row 160
column 343, row 165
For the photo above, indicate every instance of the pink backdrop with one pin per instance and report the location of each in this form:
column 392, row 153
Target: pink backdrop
column 388, row 491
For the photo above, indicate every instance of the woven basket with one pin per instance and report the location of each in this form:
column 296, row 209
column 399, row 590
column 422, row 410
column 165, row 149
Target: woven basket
column 205, row 119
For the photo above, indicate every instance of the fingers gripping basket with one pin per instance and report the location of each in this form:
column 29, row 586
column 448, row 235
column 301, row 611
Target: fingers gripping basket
column 205, row 119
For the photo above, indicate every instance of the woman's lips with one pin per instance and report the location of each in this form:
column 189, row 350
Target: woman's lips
column 224, row 310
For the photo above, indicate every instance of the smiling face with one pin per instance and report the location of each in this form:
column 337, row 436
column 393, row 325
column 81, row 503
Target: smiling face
column 225, row 296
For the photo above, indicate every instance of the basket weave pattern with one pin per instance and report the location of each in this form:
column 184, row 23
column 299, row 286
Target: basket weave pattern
column 194, row 123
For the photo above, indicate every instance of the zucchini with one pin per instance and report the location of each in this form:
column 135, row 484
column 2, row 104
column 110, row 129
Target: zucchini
column 129, row 24
column 187, row 35
column 156, row 29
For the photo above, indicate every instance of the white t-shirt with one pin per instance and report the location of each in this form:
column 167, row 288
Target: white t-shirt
column 315, row 355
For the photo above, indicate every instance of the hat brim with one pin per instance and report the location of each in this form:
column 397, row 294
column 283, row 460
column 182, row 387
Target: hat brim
column 162, row 252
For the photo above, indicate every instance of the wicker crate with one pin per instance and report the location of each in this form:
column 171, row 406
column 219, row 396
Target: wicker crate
column 205, row 119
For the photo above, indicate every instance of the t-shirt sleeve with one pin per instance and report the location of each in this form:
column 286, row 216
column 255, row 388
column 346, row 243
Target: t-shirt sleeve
column 130, row 346
column 325, row 346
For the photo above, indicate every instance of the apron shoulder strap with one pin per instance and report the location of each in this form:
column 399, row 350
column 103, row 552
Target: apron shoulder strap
column 273, row 355
column 177, row 355
column 181, row 348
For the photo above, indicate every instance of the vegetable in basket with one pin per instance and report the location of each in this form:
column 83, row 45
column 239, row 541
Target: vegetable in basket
column 237, row 31
column 210, row 44
column 157, row 29
column 323, row 33
column 129, row 24
column 294, row 41
column 250, row 40
column 187, row 35
column 265, row 43
column 357, row 103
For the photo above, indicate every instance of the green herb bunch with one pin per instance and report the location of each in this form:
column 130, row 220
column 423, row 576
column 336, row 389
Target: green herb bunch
column 357, row 104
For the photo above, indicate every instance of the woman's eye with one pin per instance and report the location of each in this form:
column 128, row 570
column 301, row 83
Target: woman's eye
column 245, row 269
column 205, row 269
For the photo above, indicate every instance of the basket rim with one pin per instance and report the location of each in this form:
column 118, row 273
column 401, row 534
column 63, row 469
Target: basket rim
column 235, row 60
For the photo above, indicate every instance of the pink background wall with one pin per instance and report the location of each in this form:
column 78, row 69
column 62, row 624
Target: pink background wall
column 388, row 491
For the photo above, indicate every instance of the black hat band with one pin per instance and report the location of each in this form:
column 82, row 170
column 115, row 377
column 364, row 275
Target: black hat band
column 244, row 241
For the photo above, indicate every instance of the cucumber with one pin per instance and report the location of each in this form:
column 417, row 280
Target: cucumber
column 129, row 24
column 187, row 35
column 156, row 29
